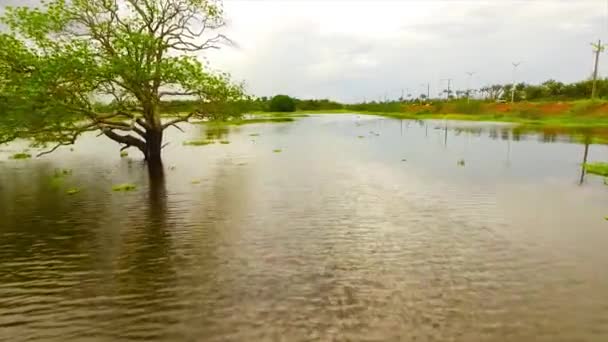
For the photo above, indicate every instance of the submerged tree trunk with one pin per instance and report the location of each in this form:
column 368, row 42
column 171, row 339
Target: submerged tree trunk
column 154, row 141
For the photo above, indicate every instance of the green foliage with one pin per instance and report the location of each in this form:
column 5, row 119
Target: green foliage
column 124, row 154
column 282, row 103
column 598, row 168
column 224, row 142
column 124, row 187
column 56, row 59
column 278, row 150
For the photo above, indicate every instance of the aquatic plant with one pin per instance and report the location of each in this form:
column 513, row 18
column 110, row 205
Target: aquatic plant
column 124, row 154
column 198, row 142
column 278, row 150
column 225, row 142
column 598, row 168
column 124, row 187
column 22, row 155
column 72, row 191
column 254, row 134
column 460, row 162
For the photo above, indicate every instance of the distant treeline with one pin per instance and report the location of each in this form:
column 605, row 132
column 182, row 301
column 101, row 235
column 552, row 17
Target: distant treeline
column 548, row 91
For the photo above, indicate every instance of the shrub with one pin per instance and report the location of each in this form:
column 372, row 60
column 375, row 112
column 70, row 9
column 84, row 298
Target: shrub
column 282, row 103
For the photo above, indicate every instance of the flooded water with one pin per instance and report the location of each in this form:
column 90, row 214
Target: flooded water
column 359, row 228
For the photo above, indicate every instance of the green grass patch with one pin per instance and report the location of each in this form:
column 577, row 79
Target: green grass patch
column 239, row 122
column 598, row 168
column 21, row 156
column 198, row 142
column 124, row 187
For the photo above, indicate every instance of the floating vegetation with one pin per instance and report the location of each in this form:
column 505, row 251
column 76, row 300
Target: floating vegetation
column 124, row 154
column 196, row 181
column 598, row 168
column 254, row 134
column 62, row 172
column 71, row 149
column 460, row 162
column 224, row 142
column 278, row 150
column 360, row 137
column 22, row 155
column 72, row 191
column 124, row 187
column 198, row 142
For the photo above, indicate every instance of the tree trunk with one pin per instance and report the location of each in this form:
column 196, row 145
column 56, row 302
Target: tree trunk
column 154, row 141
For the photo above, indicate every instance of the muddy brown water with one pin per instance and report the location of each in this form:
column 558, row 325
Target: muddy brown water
column 361, row 228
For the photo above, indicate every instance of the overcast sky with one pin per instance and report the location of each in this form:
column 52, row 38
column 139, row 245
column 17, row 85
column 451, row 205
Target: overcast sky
column 364, row 49
column 350, row 50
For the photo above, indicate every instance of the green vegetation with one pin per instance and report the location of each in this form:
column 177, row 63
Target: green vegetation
column 282, row 103
column 124, row 187
column 598, row 168
column 254, row 135
column 124, row 154
column 196, row 181
column 57, row 58
column 278, row 150
column 225, row 142
column 62, row 172
column 460, row 162
column 198, row 142
column 72, row 191
column 239, row 122
column 21, row 155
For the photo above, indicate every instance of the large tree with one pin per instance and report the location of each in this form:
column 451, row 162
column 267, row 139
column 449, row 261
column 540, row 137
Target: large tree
column 58, row 60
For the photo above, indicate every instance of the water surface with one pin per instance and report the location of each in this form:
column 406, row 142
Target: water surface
column 361, row 228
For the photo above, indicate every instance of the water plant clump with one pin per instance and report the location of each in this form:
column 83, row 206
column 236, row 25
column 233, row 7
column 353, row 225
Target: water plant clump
column 124, row 187
column 598, row 168
column 460, row 162
column 72, row 191
column 198, row 142
column 22, row 155
column 124, row 154
column 224, row 142
column 278, row 150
